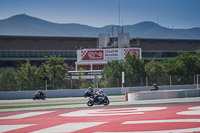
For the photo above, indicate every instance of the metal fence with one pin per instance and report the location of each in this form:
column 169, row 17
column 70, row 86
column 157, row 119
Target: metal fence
column 81, row 83
column 137, row 81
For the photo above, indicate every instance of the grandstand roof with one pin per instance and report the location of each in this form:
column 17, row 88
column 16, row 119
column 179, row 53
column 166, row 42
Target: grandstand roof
column 74, row 43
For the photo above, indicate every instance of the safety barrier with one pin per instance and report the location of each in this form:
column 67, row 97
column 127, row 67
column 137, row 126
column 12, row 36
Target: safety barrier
column 163, row 94
column 80, row 92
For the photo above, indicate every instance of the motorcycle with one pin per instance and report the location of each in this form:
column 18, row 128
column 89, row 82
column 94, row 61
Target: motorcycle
column 39, row 96
column 96, row 100
column 154, row 89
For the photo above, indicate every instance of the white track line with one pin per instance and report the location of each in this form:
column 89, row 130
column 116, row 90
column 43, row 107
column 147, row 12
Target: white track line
column 25, row 115
column 6, row 128
column 69, row 127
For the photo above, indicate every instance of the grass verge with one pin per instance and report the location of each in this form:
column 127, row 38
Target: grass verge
column 41, row 105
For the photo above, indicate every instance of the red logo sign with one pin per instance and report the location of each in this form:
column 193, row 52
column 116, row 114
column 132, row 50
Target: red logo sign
column 92, row 55
column 131, row 52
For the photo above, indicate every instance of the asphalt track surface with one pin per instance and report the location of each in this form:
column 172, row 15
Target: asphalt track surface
column 149, row 116
column 114, row 101
column 54, row 101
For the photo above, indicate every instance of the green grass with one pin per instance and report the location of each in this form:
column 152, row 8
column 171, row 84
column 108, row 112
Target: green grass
column 42, row 105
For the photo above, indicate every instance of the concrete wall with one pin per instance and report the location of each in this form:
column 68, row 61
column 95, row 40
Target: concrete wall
column 80, row 92
column 146, row 88
column 54, row 93
column 164, row 94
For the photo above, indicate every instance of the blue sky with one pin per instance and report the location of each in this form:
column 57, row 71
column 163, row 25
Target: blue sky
column 168, row 13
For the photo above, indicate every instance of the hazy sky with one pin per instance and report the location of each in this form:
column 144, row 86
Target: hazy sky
column 98, row 13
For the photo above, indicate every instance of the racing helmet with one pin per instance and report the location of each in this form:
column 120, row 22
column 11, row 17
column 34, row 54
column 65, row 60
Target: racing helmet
column 101, row 90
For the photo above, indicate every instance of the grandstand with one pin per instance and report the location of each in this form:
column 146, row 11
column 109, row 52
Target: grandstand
column 17, row 49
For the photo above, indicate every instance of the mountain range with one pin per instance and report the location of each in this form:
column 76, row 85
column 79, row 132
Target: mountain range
column 24, row 25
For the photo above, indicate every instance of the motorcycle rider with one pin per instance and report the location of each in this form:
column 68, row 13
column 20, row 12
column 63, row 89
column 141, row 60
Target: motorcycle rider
column 40, row 93
column 90, row 90
column 99, row 94
column 155, row 87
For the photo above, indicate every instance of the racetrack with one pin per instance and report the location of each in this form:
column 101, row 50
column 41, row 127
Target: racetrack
column 54, row 101
column 168, row 118
column 81, row 103
column 147, row 116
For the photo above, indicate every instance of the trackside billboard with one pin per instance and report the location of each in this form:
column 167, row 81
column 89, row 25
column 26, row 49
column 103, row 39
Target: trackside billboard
column 107, row 54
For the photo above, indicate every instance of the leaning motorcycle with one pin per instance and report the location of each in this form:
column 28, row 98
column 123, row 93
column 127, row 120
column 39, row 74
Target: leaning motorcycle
column 39, row 96
column 154, row 89
column 94, row 100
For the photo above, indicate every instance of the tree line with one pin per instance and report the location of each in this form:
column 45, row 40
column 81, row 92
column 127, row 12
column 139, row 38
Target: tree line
column 181, row 68
column 53, row 73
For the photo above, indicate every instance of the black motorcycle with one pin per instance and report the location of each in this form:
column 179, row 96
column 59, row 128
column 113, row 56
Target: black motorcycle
column 39, row 96
column 154, row 88
column 96, row 100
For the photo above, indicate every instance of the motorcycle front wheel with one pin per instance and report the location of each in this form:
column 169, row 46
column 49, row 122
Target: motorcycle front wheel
column 90, row 103
column 43, row 97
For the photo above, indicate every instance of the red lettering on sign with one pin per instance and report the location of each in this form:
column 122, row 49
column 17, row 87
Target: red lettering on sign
column 92, row 55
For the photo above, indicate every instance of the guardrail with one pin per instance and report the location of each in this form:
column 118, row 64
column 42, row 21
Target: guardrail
column 165, row 94
column 80, row 92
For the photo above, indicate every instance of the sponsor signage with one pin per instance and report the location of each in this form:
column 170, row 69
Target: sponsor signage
column 136, row 52
column 92, row 55
column 112, row 54
column 107, row 54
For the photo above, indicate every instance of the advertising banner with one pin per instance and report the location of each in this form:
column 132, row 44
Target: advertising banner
column 92, row 55
column 112, row 54
column 107, row 54
column 129, row 51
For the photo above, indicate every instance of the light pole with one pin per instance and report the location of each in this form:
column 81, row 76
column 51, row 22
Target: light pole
column 197, row 81
column 123, row 81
